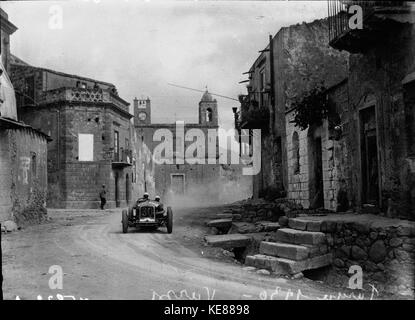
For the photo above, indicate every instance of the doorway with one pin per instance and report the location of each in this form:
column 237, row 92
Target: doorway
column 127, row 189
column 117, row 191
column 316, row 181
column 369, row 156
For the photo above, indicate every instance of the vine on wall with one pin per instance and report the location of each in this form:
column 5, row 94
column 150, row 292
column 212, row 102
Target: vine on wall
column 312, row 108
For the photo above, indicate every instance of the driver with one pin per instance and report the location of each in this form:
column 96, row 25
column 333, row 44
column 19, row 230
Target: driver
column 144, row 198
column 160, row 205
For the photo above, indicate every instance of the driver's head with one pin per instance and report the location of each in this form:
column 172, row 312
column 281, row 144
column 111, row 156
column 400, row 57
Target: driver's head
column 157, row 198
column 145, row 195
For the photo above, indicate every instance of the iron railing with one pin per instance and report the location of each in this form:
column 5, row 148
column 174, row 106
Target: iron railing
column 123, row 155
column 338, row 13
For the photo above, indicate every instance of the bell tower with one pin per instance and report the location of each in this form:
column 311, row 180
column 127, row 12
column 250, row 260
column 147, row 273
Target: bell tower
column 142, row 111
column 208, row 110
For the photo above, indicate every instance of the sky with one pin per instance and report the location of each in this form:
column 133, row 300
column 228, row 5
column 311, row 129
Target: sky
column 141, row 46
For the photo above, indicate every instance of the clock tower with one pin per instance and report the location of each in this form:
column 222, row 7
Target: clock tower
column 142, row 111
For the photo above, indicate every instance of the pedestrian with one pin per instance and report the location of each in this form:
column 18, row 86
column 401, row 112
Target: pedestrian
column 103, row 196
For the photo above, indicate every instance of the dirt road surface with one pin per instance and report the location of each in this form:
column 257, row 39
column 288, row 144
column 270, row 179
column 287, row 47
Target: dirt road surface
column 100, row 262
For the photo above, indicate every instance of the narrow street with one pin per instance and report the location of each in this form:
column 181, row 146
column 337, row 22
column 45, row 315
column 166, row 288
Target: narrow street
column 100, row 262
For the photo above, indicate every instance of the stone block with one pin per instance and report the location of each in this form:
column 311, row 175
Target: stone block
column 395, row 242
column 297, row 224
column 284, row 250
column 287, row 266
column 358, row 253
column 300, row 237
column 283, row 221
column 267, row 226
column 314, row 226
column 328, row 226
column 228, row 240
column 220, row 223
column 377, row 251
column 243, row 227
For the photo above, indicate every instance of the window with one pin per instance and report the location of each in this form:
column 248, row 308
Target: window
column 33, row 165
column 296, row 153
column 209, row 115
column 116, row 144
column 85, row 147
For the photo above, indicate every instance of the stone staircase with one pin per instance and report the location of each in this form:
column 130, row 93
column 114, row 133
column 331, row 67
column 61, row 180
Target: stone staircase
column 298, row 247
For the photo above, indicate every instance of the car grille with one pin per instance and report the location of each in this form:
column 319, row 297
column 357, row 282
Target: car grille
column 147, row 212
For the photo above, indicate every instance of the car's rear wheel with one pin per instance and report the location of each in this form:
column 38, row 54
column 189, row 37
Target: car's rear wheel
column 124, row 221
column 169, row 220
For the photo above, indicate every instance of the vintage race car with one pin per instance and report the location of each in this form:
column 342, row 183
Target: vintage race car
column 147, row 213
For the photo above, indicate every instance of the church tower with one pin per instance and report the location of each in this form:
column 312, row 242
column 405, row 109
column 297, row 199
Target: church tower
column 208, row 110
column 142, row 111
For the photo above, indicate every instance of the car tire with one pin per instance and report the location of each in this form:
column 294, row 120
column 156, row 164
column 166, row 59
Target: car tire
column 169, row 220
column 124, row 221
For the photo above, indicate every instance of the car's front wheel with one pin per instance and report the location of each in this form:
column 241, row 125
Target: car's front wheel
column 169, row 220
column 124, row 221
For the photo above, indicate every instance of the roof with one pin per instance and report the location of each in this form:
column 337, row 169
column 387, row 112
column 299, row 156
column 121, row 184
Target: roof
column 207, row 97
column 7, row 123
column 19, row 62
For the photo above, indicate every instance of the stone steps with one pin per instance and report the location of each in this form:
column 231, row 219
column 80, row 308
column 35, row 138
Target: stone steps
column 287, row 266
column 294, row 236
column 298, row 247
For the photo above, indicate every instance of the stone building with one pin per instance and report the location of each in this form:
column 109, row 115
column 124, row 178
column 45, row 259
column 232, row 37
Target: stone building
column 90, row 127
column 375, row 153
column 178, row 179
column 23, row 149
column 297, row 58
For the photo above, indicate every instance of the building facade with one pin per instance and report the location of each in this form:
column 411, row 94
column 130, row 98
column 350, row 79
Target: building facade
column 23, row 150
column 297, row 59
column 175, row 176
column 378, row 121
column 90, row 127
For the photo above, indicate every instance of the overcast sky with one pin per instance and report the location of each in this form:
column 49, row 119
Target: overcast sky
column 141, row 46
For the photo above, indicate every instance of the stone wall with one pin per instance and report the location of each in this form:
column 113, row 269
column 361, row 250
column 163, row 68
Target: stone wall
column 302, row 59
column 301, row 182
column 254, row 210
column 23, row 175
column 376, row 77
column 385, row 249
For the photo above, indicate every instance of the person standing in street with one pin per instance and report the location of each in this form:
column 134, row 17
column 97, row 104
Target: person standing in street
column 103, row 196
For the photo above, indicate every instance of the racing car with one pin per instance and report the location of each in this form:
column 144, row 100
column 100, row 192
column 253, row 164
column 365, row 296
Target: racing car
column 147, row 213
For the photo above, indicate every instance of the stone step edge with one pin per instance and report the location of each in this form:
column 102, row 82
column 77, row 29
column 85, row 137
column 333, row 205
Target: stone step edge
column 287, row 266
column 306, row 250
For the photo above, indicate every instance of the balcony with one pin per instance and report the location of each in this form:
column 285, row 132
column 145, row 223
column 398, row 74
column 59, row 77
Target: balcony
column 80, row 95
column 122, row 158
column 379, row 19
column 252, row 115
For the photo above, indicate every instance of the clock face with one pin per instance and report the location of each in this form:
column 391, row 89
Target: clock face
column 142, row 116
